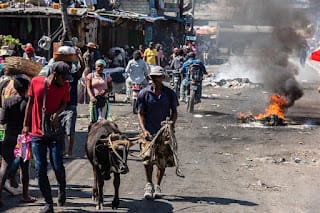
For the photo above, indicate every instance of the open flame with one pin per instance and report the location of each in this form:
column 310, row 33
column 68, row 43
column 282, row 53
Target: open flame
column 275, row 110
column 276, row 107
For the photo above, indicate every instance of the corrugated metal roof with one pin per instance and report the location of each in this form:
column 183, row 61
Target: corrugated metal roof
column 38, row 12
column 137, row 16
column 99, row 17
column 120, row 13
column 107, row 16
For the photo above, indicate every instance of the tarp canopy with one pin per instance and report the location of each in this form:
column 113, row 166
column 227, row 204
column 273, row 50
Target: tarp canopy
column 315, row 55
column 202, row 31
column 205, row 30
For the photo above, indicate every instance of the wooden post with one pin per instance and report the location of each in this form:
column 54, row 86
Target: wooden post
column 64, row 17
column 49, row 33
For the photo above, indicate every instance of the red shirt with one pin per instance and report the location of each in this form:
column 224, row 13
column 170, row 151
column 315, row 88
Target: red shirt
column 55, row 96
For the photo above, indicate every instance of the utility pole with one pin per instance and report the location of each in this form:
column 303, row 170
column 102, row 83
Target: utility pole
column 65, row 23
column 192, row 12
column 181, row 8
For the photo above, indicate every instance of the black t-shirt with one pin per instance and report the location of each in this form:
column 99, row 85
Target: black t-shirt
column 13, row 113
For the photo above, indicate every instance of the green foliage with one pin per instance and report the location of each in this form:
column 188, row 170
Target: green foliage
column 9, row 40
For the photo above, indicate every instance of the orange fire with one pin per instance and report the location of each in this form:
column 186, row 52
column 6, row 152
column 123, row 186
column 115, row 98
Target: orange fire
column 276, row 107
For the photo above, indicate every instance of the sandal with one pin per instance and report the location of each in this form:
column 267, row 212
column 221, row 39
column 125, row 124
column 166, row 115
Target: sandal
column 28, row 200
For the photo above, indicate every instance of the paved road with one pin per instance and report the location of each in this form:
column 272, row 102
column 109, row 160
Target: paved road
column 229, row 167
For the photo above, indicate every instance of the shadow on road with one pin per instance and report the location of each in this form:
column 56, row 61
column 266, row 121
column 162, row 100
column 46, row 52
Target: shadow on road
column 210, row 200
column 214, row 113
column 136, row 206
column 312, row 121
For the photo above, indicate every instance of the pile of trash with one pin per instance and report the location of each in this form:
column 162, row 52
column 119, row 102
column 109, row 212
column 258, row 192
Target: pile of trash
column 236, row 83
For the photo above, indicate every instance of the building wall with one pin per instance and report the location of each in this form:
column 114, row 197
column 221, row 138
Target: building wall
column 218, row 10
column 138, row 6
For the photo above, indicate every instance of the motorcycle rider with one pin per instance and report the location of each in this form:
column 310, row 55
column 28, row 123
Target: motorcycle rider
column 185, row 70
column 175, row 65
column 178, row 60
column 136, row 71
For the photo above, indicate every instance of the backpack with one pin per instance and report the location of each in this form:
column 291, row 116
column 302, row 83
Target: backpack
column 195, row 71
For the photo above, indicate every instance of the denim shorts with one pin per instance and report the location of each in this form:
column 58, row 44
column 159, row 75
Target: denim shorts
column 68, row 119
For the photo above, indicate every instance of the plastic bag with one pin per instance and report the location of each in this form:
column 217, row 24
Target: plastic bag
column 23, row 147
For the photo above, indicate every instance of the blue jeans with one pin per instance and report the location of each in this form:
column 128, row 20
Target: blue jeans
column 15, row 165
column 39, row 150
column 183, row 88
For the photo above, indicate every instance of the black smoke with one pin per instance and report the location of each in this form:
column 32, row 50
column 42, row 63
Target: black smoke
column 288, row 25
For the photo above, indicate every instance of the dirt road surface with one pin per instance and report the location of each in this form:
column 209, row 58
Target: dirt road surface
column 229, row 167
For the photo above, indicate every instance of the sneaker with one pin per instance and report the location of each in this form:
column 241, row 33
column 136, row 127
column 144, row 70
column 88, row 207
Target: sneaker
column 148, row 191
column 47, row 209
column 157, row 192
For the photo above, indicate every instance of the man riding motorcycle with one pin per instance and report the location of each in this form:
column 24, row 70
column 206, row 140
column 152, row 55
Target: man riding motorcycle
column 136, row 72
column 175, row 66
column 189, row 69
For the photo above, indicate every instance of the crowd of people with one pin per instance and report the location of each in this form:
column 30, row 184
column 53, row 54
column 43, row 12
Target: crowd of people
column 54, row 94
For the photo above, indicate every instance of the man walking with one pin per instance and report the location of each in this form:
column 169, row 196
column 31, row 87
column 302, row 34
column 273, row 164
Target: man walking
column 150, row 55
column 155, row 103
column 69, row 115
column 56, row 97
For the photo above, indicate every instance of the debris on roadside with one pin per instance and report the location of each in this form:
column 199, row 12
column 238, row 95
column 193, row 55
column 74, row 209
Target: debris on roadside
column 278, row 161
column 297, row 160
column 261, row 186
column 236, row 83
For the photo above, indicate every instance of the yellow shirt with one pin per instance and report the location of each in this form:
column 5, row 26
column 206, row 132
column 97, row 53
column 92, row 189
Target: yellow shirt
column 151, row 56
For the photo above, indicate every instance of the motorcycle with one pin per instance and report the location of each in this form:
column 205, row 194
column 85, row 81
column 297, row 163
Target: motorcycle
column 176, row 81
column 191, row 95
column 137, row 84
column 136, row 87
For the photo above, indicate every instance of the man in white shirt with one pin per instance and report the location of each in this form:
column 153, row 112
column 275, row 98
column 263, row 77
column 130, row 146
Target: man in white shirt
column 136, row 71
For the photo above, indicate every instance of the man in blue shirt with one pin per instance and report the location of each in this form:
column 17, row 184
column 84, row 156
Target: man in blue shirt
column 155, row 103
column 185, row 71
